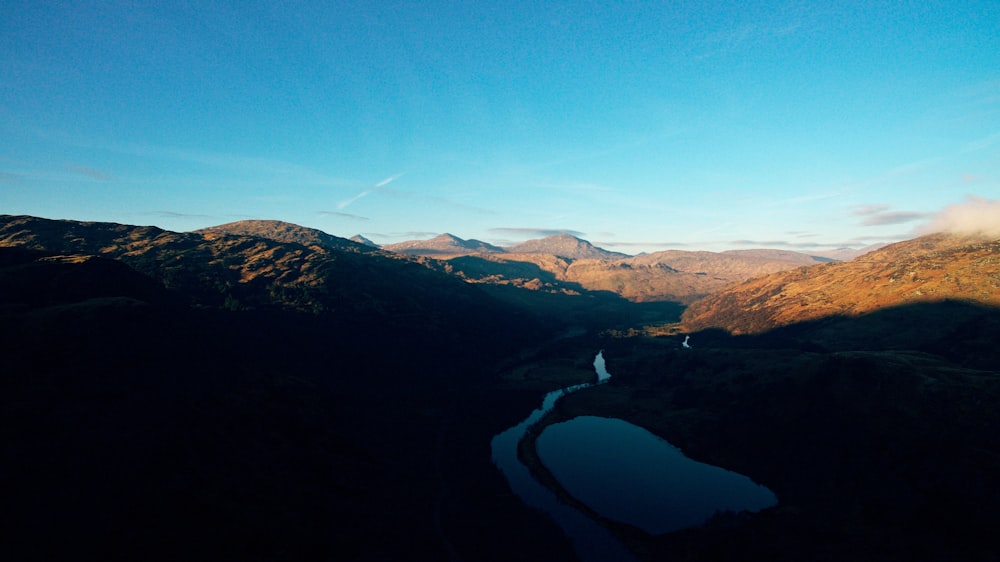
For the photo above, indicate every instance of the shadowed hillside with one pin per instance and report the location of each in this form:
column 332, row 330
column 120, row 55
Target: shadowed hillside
column 172, row 396
column 563, row 263
column 676, row 276
column 877, row 448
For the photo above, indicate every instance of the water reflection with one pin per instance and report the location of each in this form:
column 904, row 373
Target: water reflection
column 628, row 474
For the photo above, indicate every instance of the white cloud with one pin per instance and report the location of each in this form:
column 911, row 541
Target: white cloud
column 976, row 215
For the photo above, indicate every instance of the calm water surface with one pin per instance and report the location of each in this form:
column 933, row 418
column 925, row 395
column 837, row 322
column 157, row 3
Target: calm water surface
column 626, row 473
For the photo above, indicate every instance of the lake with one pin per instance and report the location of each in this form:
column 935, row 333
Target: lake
column 627, row 474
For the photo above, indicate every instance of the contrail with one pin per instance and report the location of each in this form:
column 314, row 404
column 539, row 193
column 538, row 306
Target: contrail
column 387, row 180
column 345, row 203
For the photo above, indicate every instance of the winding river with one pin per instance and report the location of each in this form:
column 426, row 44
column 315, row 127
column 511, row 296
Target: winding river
column 591, row 541
column 621, row 471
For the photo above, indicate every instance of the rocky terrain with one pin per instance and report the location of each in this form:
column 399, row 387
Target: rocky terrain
column 566, row 264
column 928, row 269
column 280, row 231
column 565, row 246
column 675, row 275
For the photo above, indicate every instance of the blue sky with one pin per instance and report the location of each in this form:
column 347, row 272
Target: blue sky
column 636, row 125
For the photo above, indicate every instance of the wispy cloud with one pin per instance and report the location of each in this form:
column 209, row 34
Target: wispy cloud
column 807, row 198
column 407, row 235
column 378, row 186
column 775, row 244
column 341, row 215
column 348, row 202
column 576, row 187
column 974, row 215
column 865, row 210
column 983, row 143
column 622, row 244
column 88, row 171
column 176, row 215
column 894, row 174
column 243, row 164
column 793, row 245
column 892, row 217
column 747, row 35
column 535, row 232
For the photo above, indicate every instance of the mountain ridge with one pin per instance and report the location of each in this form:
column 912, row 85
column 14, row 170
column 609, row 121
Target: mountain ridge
column 281, row 231
column 935, row 267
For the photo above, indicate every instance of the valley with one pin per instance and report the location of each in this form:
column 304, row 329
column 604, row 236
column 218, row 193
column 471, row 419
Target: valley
column 263, row 391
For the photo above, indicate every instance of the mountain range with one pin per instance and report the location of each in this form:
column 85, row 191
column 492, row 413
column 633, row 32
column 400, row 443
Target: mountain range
column 564, row 263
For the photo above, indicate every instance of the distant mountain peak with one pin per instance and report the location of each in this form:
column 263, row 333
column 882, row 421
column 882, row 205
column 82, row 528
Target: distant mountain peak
column 362, row 240
column 444, row 244
column 565, row 246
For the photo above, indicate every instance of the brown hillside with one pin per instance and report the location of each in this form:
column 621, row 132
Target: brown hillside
column 673, row 275
column 931, row 268
column 213, row 268
column 281, row 231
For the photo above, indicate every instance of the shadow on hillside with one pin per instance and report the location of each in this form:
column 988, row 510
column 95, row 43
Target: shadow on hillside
column 474, row 267
column 139, row 426
column 962, row 332
column 593, row 310
column 878, row 433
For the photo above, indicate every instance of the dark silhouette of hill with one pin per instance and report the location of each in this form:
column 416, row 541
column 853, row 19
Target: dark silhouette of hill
column 927, row 269
column 214, row 268
column 216, row 396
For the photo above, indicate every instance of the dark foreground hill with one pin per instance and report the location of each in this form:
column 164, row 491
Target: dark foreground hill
column 881, row 441
column 172, row 396
column 874, row 454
